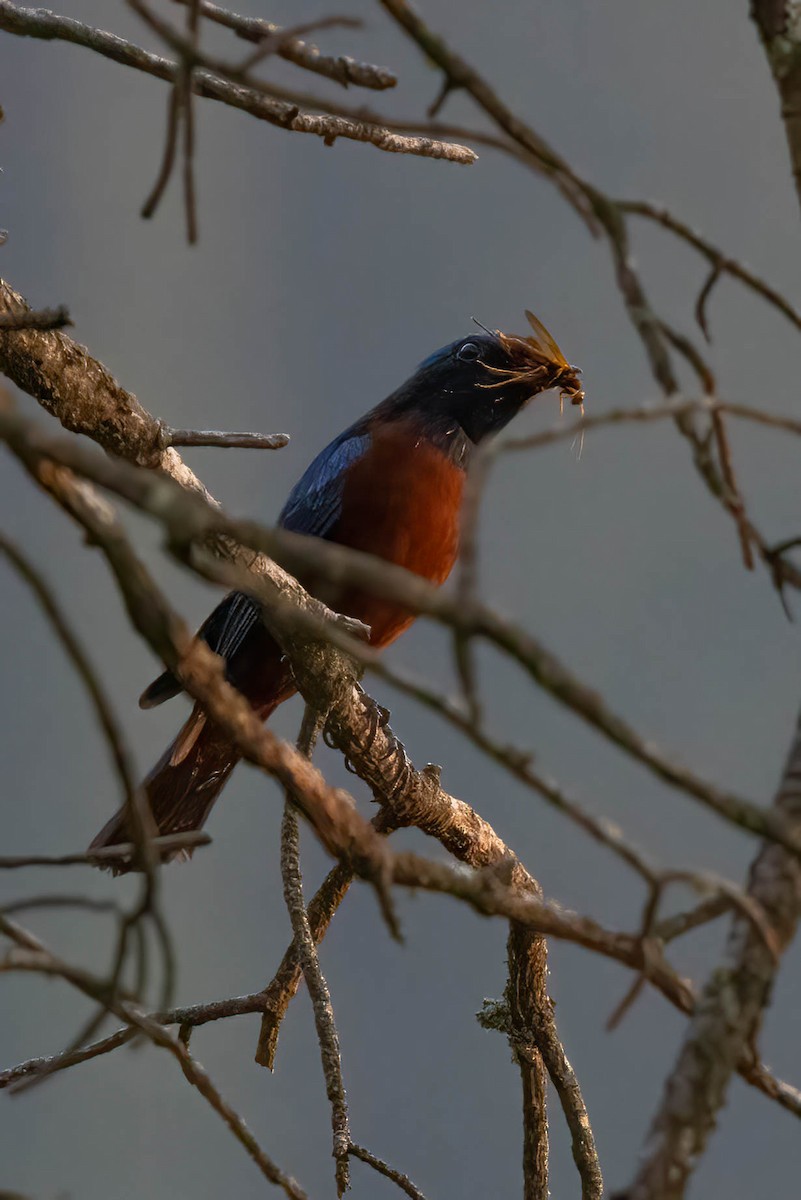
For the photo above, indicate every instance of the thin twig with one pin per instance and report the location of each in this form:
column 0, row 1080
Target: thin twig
column 340, row 68
column 319, row 993
column 39, row 23
column 167, row 155
column 718, row 260
column 272, row 43
column 37, row 957
column 461, row 76
column 59, row 901
column 165, row 844
column 188, row 109
column 467, row 587
column 89, row 677
column 378, row 1164
column 141, row 822
column 756, row 1074
column 214, row 437
column 727, row 1015
column 43, row 318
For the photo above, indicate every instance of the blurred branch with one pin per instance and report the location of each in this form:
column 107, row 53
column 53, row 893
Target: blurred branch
column 180, row 116
column 38, row 23
column 340, row 68
column 459, row 75
column 33, row 955
column 719, row 262
column 106, row 855
column 646, row 414
column 88, row 903
column 101, row 702
column 140, row 819
column 726, row 1017
column 779, row 32
column 44, row 319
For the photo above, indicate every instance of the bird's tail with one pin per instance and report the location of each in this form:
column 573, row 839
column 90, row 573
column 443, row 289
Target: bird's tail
column 185, row 782
column 181, row 788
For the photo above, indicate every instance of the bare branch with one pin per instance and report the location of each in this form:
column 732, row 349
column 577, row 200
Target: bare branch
column 403, row 1181
column 779, row 33
column 100, row 700
column 341, row 69
column 527, row 1000
column 106, row 855
column 720, row 263
column 278, row 994
column 460, row 75
column 727, row 1015
column 318, row 989
column 37, row 957
column 44, row 319
column 648, row 413
column 38, row 23
column 214, row 437
column 140, row 819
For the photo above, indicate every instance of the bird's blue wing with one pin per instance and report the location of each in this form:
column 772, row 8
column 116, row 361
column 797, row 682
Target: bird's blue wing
column 315, row 501
column 313, row 507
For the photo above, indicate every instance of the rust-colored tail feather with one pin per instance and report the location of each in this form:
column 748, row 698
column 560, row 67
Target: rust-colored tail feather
column 181, row 788
column 192, row 771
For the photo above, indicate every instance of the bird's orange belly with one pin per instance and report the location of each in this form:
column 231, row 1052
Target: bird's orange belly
column 402, row 503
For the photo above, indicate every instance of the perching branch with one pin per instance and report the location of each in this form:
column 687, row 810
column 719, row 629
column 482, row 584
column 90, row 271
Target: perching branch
column 188, row 518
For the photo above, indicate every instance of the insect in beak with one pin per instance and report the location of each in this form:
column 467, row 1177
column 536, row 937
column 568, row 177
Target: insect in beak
column 539, row 361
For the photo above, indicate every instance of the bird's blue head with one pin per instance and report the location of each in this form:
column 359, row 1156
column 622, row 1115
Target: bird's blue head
column 481, row 382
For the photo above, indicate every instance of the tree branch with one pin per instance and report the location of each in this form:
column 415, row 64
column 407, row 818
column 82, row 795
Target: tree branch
column 36, row 957
column 189, row 518
column 340, row 68
column 777, row 23
column 325, row 1024
column 727, row 1014
column 38, row 23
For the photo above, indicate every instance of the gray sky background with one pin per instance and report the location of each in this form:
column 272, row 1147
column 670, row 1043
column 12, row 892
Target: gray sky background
column 322, row 277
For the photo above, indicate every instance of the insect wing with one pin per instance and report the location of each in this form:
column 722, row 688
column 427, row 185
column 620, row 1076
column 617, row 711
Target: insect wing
column 544, row 338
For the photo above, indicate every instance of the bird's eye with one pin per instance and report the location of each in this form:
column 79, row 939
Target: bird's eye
column 469, row 352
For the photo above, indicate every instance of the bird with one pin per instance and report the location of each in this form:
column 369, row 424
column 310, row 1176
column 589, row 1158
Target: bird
column 390, row 485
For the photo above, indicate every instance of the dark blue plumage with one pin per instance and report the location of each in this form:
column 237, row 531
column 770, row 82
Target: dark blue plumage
column 315, row 501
